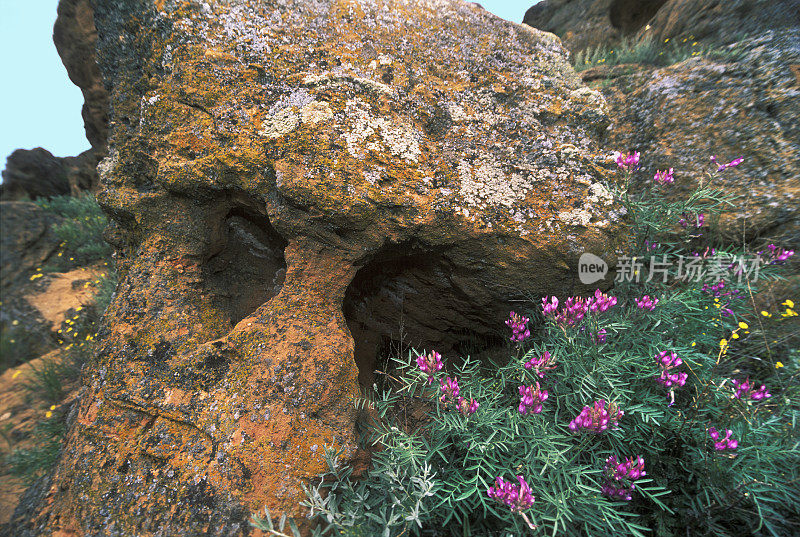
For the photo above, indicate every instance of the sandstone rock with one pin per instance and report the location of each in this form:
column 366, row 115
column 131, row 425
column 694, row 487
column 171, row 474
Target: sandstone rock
column 32, row 174
column 589, row 23
column 678, row 116
column 75, row 37
column 289, row 180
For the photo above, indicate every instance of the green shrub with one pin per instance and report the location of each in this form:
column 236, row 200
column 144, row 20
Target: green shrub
column 30, row 463
column 648, row 51
column 81, row 232
column 659, row 353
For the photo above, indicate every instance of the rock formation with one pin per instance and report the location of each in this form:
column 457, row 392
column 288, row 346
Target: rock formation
column 36, row 173
column 589, row 23
column 680, row 115
column 287, row 181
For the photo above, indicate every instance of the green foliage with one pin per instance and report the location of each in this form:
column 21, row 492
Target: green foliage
column 81, row 232
column 30, row 463
column 432, row 479
column 648, row 51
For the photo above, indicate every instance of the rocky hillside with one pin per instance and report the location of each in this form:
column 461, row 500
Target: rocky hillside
column 737, row 100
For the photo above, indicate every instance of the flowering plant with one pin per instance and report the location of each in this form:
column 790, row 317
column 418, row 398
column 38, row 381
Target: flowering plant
column 520, row 415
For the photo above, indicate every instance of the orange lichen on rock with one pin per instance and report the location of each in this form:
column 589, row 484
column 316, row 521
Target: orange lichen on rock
column 286, row 181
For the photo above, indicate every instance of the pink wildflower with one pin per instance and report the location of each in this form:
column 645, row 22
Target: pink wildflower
column 430, row 364
column 531, row 399
column 664, row 177
column 725, row 443
column 596, row 418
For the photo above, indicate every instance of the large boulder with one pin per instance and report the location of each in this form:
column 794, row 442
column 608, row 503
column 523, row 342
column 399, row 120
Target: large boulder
column 288, row 182
column 33, row 173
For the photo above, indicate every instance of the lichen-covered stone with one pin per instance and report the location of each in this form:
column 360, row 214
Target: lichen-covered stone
column 582, row 24
column 678, row 116
column 289, row 181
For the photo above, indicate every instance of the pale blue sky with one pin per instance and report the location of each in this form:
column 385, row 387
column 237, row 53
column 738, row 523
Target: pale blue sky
column 40, row 107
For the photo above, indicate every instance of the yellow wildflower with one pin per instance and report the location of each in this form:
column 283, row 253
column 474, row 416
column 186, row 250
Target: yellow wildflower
column 52, row 407
column 735, row 336
column 766, row 314
column 788, row 303
column 778, row 365
column 48, row 414
column 16, row 374
column 743, row 326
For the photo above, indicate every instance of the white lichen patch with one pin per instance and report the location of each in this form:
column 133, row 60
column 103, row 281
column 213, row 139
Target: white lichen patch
column 396, row 137
column 316, row 112
column 597, row 199
column 106, row 166
column 327, row 79
column 576, row 217
column 456, row 112
column 486, row 184
column 282, row 122
column 599, row 195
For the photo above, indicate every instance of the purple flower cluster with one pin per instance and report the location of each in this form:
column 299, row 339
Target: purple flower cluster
column 620, row 477
column 725, row 443
column 450, row 389
column 532, row 398
column 646, row 303
column 718, row 291
column 664, row 177
column 597, row 418
column 650, row 245
column 627, row 162
column 720, row 167
column 669, row 360
column 430, row 364
column 517, row 324
column 776, row 256
column 467, row 407
column 744, row 388
column 517, row 497
column 576, row 308
column 540, row 364
column 696, row 220
column 600, row 336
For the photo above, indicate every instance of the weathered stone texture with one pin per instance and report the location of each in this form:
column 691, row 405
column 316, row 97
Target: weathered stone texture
column 678, row 116
column 288, row 179
column 589, row 23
